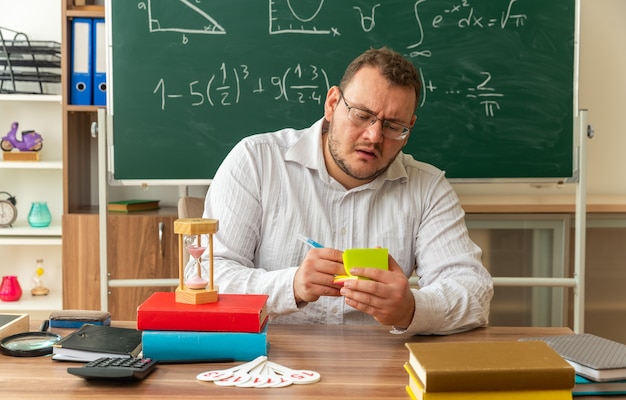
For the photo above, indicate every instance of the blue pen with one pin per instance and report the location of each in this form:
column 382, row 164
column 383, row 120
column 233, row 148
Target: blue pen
column 309, row 241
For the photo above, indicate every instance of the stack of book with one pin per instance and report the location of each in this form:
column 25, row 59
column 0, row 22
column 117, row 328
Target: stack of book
column 487, row 371
column 232, row 329
column 600, row 363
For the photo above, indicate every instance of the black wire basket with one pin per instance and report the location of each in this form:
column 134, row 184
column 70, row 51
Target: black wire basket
column 26, row 65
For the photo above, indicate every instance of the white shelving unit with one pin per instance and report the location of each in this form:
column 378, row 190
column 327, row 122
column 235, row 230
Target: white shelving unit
column 29, row 181
column 43, row 98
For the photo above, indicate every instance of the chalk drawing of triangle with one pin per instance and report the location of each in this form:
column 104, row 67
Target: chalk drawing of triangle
column 186, row 17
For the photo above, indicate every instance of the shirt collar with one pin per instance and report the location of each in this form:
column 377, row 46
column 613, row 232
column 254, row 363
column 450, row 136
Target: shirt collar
column 307, row 151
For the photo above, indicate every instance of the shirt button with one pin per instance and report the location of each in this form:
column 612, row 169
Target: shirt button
column 343, row 231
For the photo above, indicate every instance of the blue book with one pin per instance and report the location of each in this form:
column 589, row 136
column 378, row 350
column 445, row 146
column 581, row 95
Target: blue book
column 193, row 346
column 60, row 323
column 77, row 318
column 587, row 387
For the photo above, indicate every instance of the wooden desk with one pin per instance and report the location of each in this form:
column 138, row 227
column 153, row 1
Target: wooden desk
column 355, row 362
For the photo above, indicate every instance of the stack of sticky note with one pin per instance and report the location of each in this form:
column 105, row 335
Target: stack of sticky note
column 362, row 258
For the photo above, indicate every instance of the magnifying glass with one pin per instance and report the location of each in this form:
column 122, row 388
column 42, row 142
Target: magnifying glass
column 30, row 344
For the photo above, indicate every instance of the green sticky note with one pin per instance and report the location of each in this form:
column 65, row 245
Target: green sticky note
column 362, row 258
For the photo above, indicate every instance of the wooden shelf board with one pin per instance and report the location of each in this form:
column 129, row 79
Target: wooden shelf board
column 94, row 11
column 74, row 108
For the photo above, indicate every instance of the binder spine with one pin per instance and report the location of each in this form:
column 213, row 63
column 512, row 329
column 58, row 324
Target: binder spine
column 99, row 63
column 81, row 79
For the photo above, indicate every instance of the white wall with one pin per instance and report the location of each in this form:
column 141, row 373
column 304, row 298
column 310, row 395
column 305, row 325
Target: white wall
column 602, row 92
column 40, row 20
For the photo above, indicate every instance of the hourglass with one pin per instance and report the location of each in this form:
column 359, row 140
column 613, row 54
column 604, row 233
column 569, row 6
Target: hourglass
column 195, row 290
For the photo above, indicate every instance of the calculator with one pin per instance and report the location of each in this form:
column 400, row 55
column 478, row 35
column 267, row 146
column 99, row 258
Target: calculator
column 115, row 368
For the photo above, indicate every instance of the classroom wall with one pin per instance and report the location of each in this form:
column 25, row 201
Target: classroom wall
column 602, row 87
column 27, row 15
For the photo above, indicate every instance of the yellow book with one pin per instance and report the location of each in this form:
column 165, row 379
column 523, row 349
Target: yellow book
column 416, row 391
column 363, row 258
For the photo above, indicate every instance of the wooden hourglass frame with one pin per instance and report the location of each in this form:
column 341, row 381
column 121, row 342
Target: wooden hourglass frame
column 195, row 227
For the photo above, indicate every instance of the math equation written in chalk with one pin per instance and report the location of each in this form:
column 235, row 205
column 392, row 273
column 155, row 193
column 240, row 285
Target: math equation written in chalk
column 227, row 84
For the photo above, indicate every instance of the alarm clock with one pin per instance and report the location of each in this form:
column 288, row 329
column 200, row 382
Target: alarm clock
column 8, row 211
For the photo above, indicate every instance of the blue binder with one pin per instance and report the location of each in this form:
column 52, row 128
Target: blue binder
column 81, row 80
column 99, row 63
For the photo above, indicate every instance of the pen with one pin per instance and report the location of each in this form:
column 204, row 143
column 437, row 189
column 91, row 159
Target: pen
column 309, row 241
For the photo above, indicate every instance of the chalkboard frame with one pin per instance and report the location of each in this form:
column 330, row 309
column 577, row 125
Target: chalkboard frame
column 114, row 179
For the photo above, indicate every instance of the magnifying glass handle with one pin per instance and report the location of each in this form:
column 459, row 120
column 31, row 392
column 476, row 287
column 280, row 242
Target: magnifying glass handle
column 44, row 325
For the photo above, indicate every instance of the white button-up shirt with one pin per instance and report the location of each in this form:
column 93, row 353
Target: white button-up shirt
column 272, row 187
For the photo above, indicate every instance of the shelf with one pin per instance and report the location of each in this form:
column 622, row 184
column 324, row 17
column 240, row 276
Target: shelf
column 161, row 212
column 30, row 241
column 40, row 110
column 53, row 98
column 28, row 302
column 22, row 233
column 89, row 11
column 72, row 107
column 31, row 165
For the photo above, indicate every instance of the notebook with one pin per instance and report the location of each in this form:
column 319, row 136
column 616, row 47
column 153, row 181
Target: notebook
column 592, row 356
column 91, row 342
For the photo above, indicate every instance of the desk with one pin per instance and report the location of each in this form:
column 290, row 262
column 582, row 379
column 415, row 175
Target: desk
column 355, row 362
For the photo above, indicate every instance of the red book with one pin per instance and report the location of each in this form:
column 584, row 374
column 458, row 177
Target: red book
column 230, row 313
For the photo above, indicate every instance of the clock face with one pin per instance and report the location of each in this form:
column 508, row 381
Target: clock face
column 8, row 213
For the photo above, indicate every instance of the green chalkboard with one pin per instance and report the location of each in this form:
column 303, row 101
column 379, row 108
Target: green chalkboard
column 190, row 78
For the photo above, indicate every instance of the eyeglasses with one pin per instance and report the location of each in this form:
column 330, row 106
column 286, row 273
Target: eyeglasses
column 363, row 119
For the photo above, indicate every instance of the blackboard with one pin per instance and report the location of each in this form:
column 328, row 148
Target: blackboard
column 189, row 79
